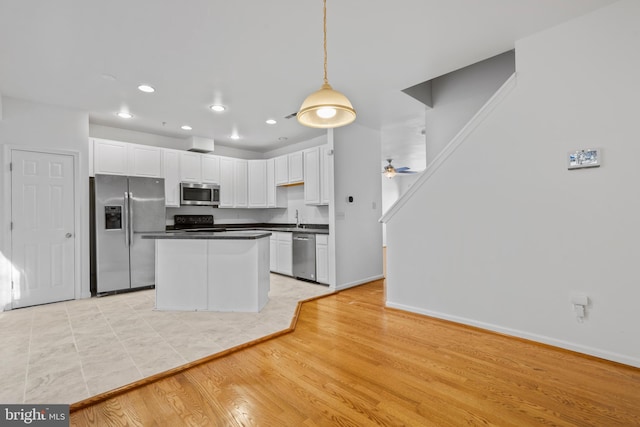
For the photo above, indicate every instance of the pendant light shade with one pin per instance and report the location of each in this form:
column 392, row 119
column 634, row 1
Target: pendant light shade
column 326, row 108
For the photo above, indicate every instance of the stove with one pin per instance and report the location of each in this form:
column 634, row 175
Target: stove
column 194, row 223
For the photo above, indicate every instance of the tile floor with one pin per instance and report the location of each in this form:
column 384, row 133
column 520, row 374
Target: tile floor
column 68, row 351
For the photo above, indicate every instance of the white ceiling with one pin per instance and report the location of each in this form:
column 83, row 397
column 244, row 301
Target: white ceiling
column 259, row 58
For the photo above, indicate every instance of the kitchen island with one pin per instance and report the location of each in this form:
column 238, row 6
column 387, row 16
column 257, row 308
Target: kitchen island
column 212, row 271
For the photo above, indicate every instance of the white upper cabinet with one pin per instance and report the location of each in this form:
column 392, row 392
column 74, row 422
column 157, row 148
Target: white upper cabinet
column 316, row 176
column 312, row 176
column 226, row 182
column 282, row 170
column 290, row 169
column 171, row 160
column 145, row 160
column 110, row 157
column 324, row 175
column 258, row 183
column 296, row 168
column 122, row 158
column 190, row 167
column 210, row 169
column 240, row 184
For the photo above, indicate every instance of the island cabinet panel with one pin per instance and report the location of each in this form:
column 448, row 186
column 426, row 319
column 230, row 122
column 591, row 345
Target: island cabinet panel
column 174, row 290
column 226, row 272
column 238, row 262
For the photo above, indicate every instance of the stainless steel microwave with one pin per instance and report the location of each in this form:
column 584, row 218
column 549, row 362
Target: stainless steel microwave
column 195, row 194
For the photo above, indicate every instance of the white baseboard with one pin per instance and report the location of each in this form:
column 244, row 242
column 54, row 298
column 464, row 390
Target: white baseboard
column 358, row 282
column 567, row 345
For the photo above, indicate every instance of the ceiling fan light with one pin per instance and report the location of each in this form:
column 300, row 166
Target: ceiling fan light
column 326, row 108
column 389, row 171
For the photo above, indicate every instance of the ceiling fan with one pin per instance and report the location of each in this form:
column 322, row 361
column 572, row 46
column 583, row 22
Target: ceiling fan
column 390, row 171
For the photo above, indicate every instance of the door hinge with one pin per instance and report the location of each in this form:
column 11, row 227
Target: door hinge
column 10, row 166
column 11, row 225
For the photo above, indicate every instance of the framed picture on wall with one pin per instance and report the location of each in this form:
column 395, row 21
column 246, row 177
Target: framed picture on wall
column 588, row 158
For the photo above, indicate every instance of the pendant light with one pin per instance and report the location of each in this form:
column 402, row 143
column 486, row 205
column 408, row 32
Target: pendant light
column 326, row 108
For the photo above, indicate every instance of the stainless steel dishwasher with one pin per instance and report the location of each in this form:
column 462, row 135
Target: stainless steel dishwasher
column 304, row 255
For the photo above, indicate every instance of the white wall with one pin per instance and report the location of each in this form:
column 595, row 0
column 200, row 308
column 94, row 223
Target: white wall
column 458, row 95
column 33, row 125
column 502, row 234
column 357, row 232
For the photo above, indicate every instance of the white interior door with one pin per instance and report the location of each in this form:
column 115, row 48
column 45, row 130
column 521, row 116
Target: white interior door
column 43, row 233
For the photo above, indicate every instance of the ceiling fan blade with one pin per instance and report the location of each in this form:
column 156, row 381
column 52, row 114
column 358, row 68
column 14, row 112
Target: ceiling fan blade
column 403, row 169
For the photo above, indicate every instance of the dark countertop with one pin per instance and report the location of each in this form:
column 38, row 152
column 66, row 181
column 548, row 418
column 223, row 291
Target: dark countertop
column 210, row 235
column 305, row 228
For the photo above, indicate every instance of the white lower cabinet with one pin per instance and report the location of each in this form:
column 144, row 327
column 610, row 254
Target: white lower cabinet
column 322, row 258
column 283, row 262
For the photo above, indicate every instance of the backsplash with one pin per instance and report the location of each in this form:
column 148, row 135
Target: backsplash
column 308, row 214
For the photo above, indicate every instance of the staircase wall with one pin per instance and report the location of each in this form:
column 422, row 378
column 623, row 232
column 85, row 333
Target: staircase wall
column 499, row 234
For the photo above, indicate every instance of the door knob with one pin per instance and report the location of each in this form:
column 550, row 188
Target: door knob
column 68, row 235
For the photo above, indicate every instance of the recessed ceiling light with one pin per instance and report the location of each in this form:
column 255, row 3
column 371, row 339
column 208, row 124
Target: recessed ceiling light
column 218, row 108
column 146, row 88
column 186, row 127
column 235, row 136
column 271, row 122
column 124, row 115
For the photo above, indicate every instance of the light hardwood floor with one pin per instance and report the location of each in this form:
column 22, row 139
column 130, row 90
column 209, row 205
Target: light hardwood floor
column 352, row 362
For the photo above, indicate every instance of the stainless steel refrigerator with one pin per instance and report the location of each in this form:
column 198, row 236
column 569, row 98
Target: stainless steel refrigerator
column 124, row 208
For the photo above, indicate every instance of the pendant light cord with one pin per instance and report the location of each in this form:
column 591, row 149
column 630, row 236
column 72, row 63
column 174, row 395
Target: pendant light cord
column 326, row 81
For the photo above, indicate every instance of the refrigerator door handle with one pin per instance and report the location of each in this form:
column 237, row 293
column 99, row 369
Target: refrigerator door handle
column 126, row 219
column 131, row 218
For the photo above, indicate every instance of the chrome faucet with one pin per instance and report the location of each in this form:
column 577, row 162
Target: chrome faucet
column 297, row 219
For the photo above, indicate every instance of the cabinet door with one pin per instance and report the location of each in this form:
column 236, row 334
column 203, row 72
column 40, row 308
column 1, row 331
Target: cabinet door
column 324, row 175
column 285, row 253
column 240, row 184
column 296, row 168
column 110, row 157
column 226, row 182
column 312, row 176
column 322, row 259
column 271, row 183
column 145, row 161
column 257, row 183
column 171, row 160
column 190, row 167
column 210, row 169
column 282, row 170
